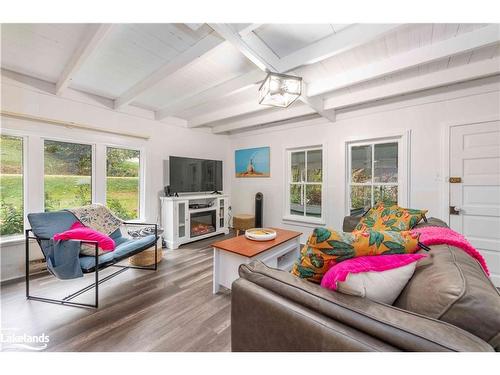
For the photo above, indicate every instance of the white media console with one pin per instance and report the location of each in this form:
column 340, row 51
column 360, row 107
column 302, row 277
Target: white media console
column 182, row 224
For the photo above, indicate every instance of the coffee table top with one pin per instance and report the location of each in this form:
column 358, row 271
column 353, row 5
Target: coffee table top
column 248, row 248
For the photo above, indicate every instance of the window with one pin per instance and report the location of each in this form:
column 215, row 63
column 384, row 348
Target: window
column 68, row 175
column 123, row 182
column 373, row 175
column 304, row 191
column 11, row 185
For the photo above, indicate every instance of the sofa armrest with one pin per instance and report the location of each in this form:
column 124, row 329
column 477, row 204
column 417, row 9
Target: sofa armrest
column 350, row 223
column 383, row 324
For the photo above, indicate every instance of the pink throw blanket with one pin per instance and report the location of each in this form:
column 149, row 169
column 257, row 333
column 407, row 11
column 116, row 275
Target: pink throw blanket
column 446, row 236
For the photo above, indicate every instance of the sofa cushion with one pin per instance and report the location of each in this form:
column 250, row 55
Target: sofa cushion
column 451, row 286
column 46, row 224
column 350, row 223
column 133, row 245
column 394, row 218
column 87, row 263
column 327, row 247
column 380, row 278
column 125, row 248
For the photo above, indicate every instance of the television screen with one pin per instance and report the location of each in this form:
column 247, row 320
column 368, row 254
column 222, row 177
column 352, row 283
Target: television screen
column 188, row 175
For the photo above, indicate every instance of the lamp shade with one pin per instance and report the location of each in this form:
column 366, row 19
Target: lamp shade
column 280, row 90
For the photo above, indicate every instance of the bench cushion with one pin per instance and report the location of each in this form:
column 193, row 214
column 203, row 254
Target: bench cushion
column 126, row 248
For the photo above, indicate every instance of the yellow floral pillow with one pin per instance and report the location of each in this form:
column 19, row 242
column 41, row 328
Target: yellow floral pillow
column 326, row 247
column 390, row 218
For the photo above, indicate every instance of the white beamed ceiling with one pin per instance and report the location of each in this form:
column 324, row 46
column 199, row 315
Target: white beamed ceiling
column 40, row 50
column 284, row 39
column 120, row 62
column 218, row 65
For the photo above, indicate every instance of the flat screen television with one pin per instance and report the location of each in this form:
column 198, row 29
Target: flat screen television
column 188, row 175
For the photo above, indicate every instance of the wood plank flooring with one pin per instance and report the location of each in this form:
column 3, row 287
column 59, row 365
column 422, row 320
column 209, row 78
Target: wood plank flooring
column 172, row 309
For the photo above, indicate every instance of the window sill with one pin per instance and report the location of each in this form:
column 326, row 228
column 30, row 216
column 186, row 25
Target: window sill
column 297, row 220
column 12, row 240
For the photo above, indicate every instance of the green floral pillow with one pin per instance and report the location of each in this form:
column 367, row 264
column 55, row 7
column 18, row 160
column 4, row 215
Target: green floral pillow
column 390, row 218
column 327, row 247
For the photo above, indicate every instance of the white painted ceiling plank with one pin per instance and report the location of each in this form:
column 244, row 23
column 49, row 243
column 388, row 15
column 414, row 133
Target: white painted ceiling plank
column 222, row 114
column 463, row 43
column 349, row 38
column 92, row 40
column 199, row 49
column 248, row 29
column 226, row 88
column 425, row 82
column 271, row 115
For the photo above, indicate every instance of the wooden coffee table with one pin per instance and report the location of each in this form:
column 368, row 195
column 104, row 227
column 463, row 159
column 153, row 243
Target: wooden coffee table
column 229, row 254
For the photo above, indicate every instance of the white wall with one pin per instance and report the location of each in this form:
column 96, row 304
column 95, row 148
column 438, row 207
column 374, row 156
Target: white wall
column 424, row 115
column 169, row 137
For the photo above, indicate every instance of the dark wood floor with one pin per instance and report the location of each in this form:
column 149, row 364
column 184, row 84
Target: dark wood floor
column 172, row 309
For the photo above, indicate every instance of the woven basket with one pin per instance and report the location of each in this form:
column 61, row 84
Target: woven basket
column 147, row 257
column 243, row 222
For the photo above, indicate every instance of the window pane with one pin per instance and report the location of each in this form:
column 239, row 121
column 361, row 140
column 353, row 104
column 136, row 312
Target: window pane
column 386, row 162
column 11, row 185
column 68, row 175
column 361, row 164
column 314, row 166
column 361, row 197
column 386, row 194
column 313, row 200
column 296, row 203
column 298, row 166
column 122, row 182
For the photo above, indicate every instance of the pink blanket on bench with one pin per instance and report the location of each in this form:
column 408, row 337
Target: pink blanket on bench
column 446, row 236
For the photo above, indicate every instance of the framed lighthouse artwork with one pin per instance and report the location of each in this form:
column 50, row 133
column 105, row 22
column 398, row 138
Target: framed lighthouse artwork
column 252, row 162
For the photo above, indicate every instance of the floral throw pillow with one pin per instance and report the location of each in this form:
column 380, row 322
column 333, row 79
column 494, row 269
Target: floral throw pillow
column 327, row 247
column 390, row 218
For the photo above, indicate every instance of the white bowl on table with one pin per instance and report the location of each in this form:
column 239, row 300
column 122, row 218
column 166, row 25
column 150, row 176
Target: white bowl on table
column 260, row 234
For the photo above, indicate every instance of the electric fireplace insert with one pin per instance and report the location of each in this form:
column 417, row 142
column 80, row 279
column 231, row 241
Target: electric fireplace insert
column 203, row 223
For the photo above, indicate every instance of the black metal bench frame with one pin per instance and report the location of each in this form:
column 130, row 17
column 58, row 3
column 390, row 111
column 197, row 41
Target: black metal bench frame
column 67, row 300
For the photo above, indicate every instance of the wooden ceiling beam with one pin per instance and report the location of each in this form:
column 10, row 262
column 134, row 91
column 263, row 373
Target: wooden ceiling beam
column 297, row 110
column 199, row 49
column 263, row 58
column 478, row 70
column 91, row 41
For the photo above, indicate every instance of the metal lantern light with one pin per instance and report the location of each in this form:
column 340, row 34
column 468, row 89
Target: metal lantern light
column 280, row 90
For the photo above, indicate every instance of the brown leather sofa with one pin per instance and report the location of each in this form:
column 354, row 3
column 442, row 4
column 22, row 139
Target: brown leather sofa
column 448, row 305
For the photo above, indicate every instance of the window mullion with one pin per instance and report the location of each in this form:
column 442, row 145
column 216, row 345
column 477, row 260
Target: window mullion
column 373, row 175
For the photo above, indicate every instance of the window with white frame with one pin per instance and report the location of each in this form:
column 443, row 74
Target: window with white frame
column 304, row 186
column 11, row 185
column 374, row 174
column 123, row 182
column 67, row 175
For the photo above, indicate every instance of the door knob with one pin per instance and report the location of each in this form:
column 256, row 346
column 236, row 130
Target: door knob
column 455, row 210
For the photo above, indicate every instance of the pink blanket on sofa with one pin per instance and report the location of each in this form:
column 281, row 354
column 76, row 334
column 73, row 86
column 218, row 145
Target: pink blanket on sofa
column 446, row 236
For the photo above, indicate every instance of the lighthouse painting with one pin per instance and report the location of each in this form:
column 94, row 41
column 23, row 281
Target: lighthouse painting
column 252, row 162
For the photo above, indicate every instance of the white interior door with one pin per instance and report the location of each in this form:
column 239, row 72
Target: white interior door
column 475, row 158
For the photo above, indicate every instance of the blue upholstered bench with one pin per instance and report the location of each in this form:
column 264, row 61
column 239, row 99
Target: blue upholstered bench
column 45, row 225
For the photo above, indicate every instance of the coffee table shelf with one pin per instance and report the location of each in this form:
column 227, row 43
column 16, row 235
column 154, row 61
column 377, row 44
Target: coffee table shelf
column 231, row 253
